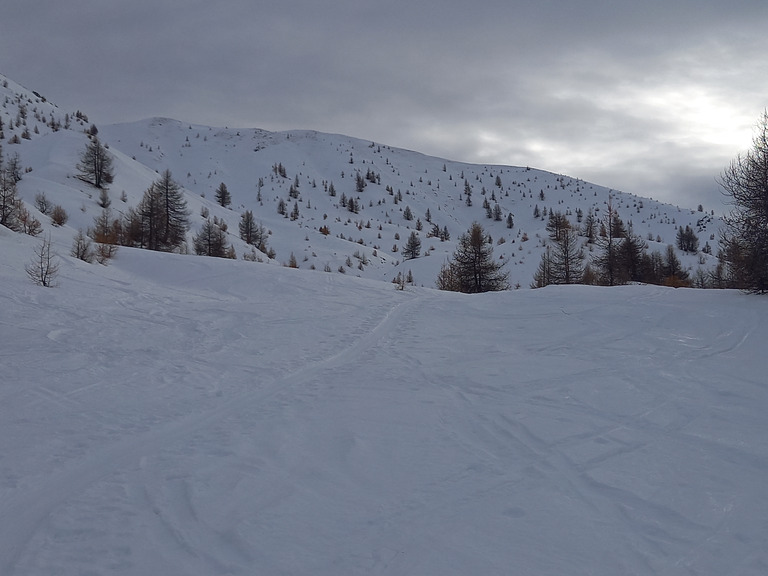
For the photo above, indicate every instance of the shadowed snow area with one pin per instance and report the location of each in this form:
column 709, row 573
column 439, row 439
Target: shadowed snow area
column 191, row 416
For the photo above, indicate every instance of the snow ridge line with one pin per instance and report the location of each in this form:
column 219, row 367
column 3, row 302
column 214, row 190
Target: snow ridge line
column 31, row 506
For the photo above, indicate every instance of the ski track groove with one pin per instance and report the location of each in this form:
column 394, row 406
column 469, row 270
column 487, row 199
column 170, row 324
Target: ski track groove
column 31, row 506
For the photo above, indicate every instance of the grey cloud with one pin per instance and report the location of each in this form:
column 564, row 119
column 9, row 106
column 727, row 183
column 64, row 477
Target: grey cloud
column 632, row 95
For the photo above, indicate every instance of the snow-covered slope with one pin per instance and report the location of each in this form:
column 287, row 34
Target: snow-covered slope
column 203, row 157
column 367, row 243
column 182, row 416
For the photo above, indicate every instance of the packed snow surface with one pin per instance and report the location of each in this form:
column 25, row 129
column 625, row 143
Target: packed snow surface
column 180, row 415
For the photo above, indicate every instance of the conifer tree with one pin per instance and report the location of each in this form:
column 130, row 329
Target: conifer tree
column 8, row 203
column 687, row 241
column 609, row 241
column 250, row 232
column 211, row 240
column 543, row 275
column 674, row 273
column 473, row 269
column 81, row 247
column 95, row 164
column 567, row 258
column 630, row 259
column 161, row 219
column 223, row 196
column 174, row 216
column 412, row 247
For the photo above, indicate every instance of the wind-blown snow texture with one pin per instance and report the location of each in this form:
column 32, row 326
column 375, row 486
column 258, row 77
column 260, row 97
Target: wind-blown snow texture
column 182, row 415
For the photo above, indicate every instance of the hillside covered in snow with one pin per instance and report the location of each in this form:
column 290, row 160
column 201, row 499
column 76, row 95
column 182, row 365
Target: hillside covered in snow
column 350, row 205
column 183, row 415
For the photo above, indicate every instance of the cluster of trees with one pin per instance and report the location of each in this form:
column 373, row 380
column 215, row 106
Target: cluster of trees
column 621, row 256
column 160, row 221
column 8, row 200
column 687, row 240
column 252, row 232
column 472, row 269
column 43, row 268
column 563, row 260
column 13, row 213
column 212, row 240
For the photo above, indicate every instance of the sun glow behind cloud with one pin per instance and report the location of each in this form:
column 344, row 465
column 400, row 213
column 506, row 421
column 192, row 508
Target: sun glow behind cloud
column 700, row 117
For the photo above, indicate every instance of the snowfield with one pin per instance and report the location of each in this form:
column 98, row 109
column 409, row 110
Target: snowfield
column 183, row 415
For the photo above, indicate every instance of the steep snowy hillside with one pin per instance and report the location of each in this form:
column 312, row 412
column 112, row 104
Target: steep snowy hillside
column 27, row 115
column 362, row 229
column 203, row 157
column 194, row 416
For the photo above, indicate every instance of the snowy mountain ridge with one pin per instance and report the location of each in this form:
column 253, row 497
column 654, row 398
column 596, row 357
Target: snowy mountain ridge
column 365, row 243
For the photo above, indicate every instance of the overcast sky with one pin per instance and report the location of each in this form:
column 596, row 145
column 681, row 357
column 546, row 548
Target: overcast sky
column 652, row 97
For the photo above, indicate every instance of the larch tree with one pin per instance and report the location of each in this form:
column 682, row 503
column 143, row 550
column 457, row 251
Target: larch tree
column 8, row 202
column 95, row 166
column 686, row 239
column 473, row 268
column 252, row 232
column 150, row 213
column 744, row 239
column 161, row 219
column 630, row 255
column 557, row 224
column 247, row 227
column 174, row 216
column 82, row 248
column 223, row 196
column 567, row 258
column 674, row 273
column 44, row 266
column 563, row 261
column 609, row 241
column 412, row 247
column 544, row 274
column 211, row 240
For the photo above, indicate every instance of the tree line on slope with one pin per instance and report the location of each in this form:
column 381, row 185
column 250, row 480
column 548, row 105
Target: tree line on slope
column 161, row 221
column 620, row 255
column 623, row 257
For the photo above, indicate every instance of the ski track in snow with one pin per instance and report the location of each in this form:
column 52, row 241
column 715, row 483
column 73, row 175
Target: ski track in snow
column 274, row 423
column 32, row 505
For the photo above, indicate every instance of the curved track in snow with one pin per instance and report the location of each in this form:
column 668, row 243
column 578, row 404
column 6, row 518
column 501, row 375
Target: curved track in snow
column 192, row 422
